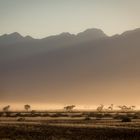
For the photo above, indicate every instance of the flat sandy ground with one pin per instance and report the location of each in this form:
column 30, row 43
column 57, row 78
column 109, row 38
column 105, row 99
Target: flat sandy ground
column 67, row 128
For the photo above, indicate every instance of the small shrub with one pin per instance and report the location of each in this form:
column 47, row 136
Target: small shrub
column 85, row 114
column 108, row 115
column 45, row 115
column 92, row 114
column 64, row 115
column 76, row 115
column 8, row 114
column 1, row 114
column 56, row 115
column 136, row 117
column 21, row 119
column 126, row 119
column 118, row 116
column 18, row 114
column 99, row 116
column 87, row 118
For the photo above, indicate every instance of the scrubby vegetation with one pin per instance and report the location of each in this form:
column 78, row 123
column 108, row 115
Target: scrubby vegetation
column 70, row 124
column 45, row 132
column 126, row 119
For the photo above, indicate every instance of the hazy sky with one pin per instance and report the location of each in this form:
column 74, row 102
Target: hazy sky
column 40, row 18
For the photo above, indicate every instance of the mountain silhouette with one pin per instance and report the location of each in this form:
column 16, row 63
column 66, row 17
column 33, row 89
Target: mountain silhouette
column 13, row 38
column 89, row 34
column 64, row 67
column 15, row 46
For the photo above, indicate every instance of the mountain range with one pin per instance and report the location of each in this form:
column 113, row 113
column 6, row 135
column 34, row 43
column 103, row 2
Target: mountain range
column 87, row 68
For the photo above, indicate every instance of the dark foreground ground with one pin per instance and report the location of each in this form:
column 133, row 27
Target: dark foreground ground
column 47, row 132
column 70, row 126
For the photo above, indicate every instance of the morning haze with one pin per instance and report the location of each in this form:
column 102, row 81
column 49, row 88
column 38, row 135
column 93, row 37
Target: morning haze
column 81, row 65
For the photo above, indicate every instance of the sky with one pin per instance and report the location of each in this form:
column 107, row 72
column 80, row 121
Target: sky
column 41, row 18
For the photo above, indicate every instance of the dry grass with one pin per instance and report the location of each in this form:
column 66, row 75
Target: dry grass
column 71, row 127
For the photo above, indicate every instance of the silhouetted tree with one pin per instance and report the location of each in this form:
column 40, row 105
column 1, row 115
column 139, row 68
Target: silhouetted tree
column 126, row 119
column 69, row 108
column 100, row 108
column 27, row 107
column 133, row 107
column 126, row 108
column 110, row 107
column 6, row 108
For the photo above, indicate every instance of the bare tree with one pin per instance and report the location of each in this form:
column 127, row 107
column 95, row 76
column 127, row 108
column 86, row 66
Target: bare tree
column 69, row 108
column 6, row 108
column 110, row 107
column 133, row 107
column 100, row 108
column 126, row 108
column 27, row 107
column 123, row 107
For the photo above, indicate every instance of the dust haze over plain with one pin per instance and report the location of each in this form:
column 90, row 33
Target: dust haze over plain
column 81, row 67
column 68, row 69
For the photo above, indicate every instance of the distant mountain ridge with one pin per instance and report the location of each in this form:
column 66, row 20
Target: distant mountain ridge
column 18, row 46
column 87, row 35
column 72, row 66
column 17, row 37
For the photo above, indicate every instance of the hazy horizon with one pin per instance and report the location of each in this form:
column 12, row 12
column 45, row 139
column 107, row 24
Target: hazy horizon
column 94, row 67
column 51, row 35
column 50, row 17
